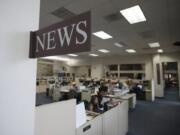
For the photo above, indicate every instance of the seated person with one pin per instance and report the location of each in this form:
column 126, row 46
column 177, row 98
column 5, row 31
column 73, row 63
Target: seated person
column 102, row 100
column 94, row 104
column 103, row 87
column 120, row 85
column 104, row 103
column 74, row 87
column 110, row 86
column 75, row 92
column 102, row 92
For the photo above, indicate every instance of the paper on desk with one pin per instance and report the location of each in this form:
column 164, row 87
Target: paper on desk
column 80, row 115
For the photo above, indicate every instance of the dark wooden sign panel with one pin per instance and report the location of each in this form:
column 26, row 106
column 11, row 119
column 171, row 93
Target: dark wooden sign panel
column 70, row 36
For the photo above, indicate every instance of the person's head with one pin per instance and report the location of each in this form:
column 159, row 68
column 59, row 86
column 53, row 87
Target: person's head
column 101, row 83
column 109, row 81
column 73, row 84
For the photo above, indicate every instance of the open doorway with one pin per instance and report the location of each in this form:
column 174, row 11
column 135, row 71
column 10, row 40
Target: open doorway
column 171, row 80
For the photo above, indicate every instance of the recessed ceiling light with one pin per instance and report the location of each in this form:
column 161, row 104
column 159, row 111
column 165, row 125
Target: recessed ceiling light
column 104, row 51
column 133, row 14
column 118, row 44
column 154, row 45
column 73, row 55
column 56, row 58
column 102, row 35
column 94, row 55
column 160, row 51
column 131, row 51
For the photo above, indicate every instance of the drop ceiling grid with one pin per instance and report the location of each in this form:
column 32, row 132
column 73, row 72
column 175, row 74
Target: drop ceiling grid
column 159, row 17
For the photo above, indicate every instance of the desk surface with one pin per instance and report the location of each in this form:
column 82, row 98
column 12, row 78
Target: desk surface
column 94, row 94
column 148, row 90
column 65, row 91
column 127, row 96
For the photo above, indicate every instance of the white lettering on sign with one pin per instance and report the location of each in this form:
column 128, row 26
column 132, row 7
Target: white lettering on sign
column 66, row 35
column 40, row 42
column 83, row 33
column 63, row 34
column 51, row 40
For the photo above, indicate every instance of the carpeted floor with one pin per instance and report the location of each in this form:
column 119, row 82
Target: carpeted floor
column 41, row 99
column 159, row 118
column 171, row 94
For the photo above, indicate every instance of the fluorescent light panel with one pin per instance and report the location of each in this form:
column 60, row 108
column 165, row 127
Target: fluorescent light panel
column 56, row 58
column 131, row 51
column 104, row 51
column 73, row 55
column 118, row 44
column 154, row 45
column 102, row 35
column 133, row 14
column 94, row 55
column 160, row 51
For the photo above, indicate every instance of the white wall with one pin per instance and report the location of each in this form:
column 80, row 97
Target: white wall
column 56, row 118
column 97, row 71
column 58, row 67
column 81, row 71
column 159, row 92
column 169, row 57
column 130, row 59
column 17, row 71
column 44, row 68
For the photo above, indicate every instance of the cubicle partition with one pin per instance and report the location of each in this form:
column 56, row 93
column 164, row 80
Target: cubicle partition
column 60, row 119
column 112, row 122
column 56, row 119
column 115, row 121
column 92, row 127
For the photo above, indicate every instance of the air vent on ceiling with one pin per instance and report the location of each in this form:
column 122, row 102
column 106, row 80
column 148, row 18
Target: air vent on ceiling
column 113, row 17
column 147, row 34
column 122, row 43
column 177, row 43
column 63, row 13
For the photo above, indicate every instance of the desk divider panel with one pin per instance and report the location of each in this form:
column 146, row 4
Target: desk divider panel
column 123, row 118
column 56, row 119
column 93, row 127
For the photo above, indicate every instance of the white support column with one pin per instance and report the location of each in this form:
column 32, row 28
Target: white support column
column 159, row 88
column 179, row 76
column 17, row 71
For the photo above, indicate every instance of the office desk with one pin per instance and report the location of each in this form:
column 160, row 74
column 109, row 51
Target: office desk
column 93, row 94
column 131, row 99
column 64, row 91
column 148, row 95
